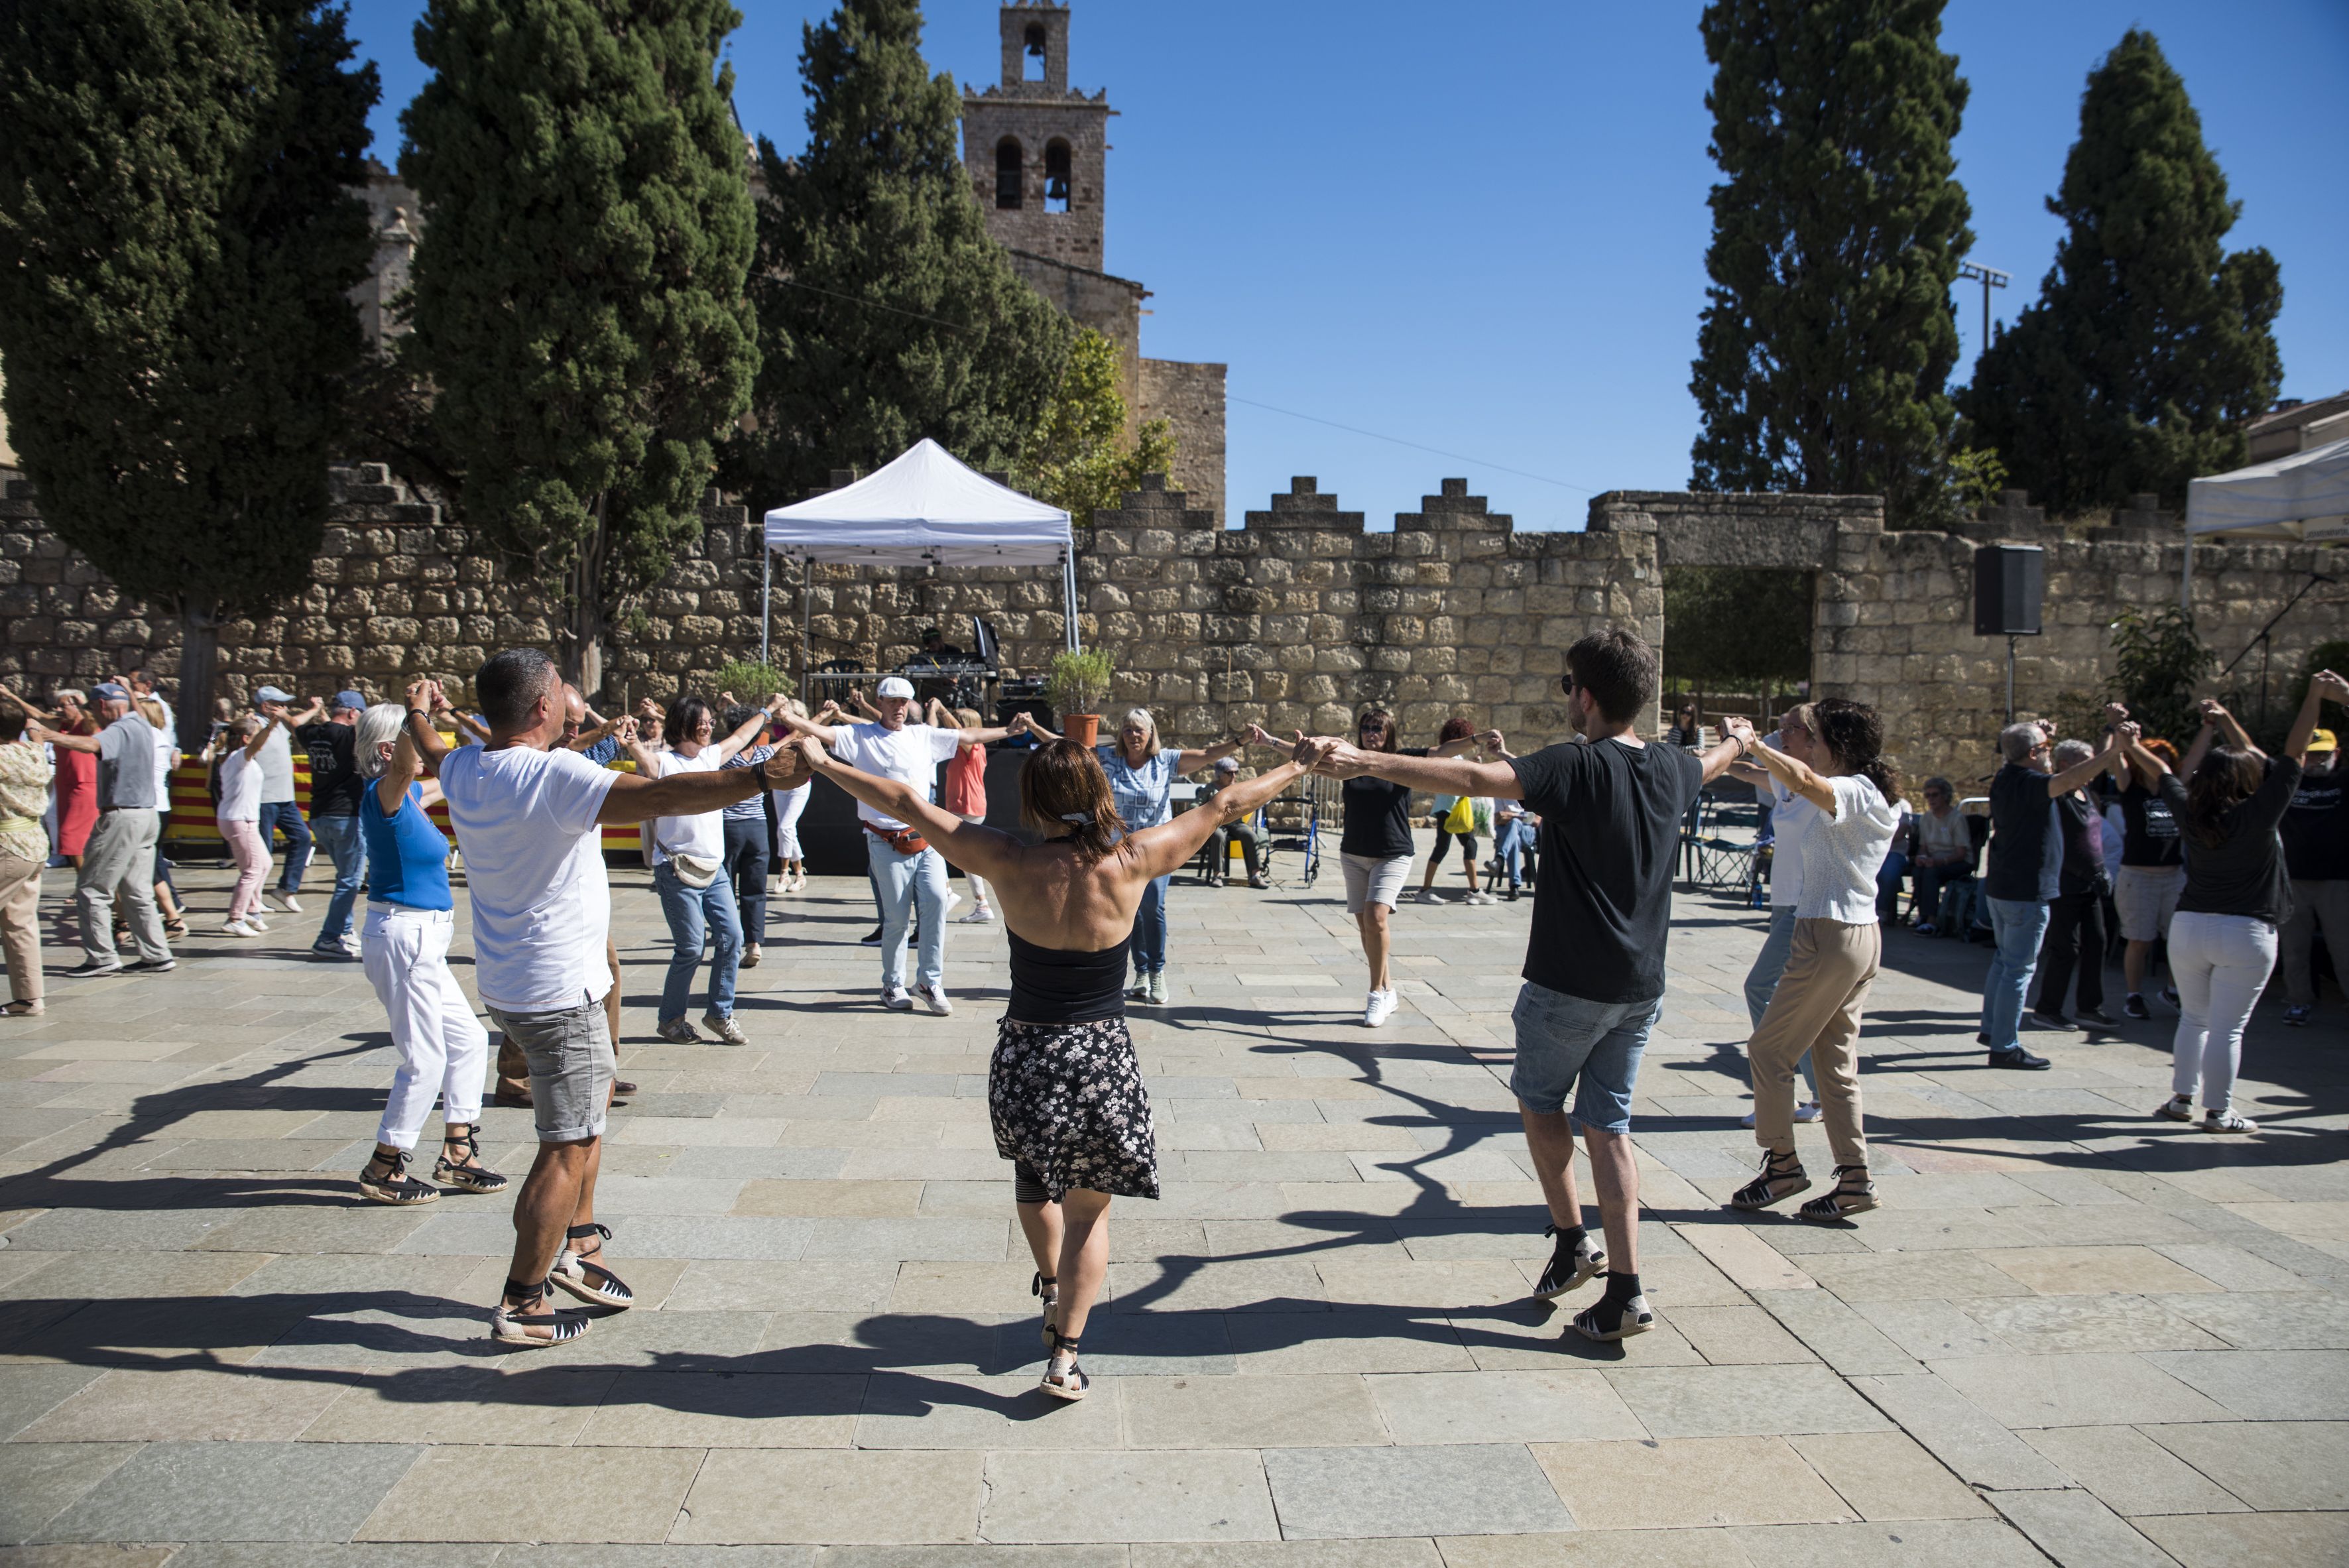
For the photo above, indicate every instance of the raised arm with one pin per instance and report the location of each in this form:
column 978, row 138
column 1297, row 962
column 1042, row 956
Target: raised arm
column 59, row 738
column 1197, row 757
column 2323, row 686
column 260, row 737
column 309, row 714
column 1431, row 775
column 971, row 846
column 2216, row 720
column 2077, row 776
column 407, row 762
column 417, row 732
column 749, row 729
column 1168, row 847
column 799, row 724
column 1799, row 778
column 38, row 714
column 635, row 797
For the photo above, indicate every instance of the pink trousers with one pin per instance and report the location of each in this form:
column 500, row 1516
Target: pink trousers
column 251, row 853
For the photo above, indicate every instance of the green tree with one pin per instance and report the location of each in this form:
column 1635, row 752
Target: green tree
column 177, row 241
column 1731, row 627
column 2149, row 345
column 2158, row 661
column 1828, row 336
column 1077, row 456
column 578, row 289
column 886, row 312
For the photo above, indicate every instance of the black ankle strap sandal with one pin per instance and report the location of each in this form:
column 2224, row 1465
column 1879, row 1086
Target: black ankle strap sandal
column 1049, row 1292
column 1781, row 1177
column 466, row 1172
column 394, row 1185
column 1064, row 1383
column 516, row 1317
column 587, row 1280
column 1853, row 1193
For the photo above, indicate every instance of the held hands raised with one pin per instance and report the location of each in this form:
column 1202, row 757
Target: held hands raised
column 790, row 765
column 2334, row 688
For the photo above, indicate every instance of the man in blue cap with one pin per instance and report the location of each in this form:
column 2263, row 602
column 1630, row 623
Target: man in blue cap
column 280, row 812
column 335, row 790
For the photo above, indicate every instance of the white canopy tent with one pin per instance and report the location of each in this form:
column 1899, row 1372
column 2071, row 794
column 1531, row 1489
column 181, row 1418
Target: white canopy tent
column 925, row 508
column 2299, row 498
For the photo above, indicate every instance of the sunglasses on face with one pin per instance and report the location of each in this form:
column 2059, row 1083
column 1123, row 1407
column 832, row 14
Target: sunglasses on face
column 1566, row 684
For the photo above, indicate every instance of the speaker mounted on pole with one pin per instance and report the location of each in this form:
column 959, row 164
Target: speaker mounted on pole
column 2010, row 583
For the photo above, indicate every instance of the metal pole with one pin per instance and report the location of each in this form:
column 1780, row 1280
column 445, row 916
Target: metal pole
column 2010, row 678
column 765, row 596
column 807, row 613
column 1069, row 596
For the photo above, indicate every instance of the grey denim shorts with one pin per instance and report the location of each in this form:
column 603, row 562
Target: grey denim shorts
column 571, row 1067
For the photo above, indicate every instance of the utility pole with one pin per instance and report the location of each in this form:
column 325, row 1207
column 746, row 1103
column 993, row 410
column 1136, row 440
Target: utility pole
column 1990, row 278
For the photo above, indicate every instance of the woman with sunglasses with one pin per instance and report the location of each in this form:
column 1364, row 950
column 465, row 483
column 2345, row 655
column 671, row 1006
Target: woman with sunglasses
column 1374, row 849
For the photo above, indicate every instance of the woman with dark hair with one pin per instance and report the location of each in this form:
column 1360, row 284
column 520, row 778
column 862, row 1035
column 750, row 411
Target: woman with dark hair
column 1374, row 851
column 2152, row 875
column 1838, row 942
column 1456, row 735
column 689, row 866
column 746, row 829
column 2222, row 940
column 1063, row 1089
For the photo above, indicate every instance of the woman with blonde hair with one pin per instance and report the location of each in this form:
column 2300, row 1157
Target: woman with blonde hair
column 1063, row 1089
column 25, row 774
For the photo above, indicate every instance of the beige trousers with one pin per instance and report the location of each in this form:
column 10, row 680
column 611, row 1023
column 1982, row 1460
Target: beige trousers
column 20, row 925
column 1816, row 1008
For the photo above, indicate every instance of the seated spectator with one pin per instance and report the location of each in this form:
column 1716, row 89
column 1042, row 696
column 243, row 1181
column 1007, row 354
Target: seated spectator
column 1941, row 852
column 1895, row 869
column 1243, row 832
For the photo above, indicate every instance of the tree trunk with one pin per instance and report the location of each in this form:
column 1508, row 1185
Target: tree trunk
column 199, row 648
column 584, row 662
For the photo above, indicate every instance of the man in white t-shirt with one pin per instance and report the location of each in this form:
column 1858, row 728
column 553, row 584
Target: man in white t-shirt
column 528, row 814
column 904, row 868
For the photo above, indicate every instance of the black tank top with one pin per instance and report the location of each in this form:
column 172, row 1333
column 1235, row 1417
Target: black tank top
column 1058, row 985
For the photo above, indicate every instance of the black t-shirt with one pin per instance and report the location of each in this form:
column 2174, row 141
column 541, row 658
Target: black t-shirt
column 2243, row 872
column 1610, row 838
column 2084, row 845
column 2316, row 827
column 2021, row 816
column 1378, row 815
column 334, row 781
column 2149, row 829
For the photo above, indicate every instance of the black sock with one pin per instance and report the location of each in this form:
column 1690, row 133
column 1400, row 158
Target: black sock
column 1569, row 1238
column 1620, row 1287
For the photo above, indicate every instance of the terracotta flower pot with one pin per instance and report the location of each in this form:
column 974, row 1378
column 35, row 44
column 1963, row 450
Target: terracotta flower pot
column 1084, row 729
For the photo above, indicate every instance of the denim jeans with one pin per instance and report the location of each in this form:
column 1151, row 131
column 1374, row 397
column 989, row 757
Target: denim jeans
column 898, row 881
column 1887, row 886
column 746, row 868
column 1591, row 1050
column 1762, row 983
column 1150, row 928
column 695, row 915
column 1514, row 845
column 347, row 847
column 2017, row 926
column 286, row 817
column 1928, row 882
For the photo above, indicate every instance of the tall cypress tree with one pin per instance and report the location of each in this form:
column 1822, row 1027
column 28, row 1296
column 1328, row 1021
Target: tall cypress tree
column 578, row 302
column 886, row 311
column 177, row 240
column 1837, row 232
column 2149, row 345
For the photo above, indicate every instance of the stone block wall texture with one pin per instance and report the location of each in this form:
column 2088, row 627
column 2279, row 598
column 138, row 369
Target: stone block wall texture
column 1191, row 397
column 1294, row 620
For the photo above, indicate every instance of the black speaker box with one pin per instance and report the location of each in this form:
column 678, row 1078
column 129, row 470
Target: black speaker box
column 2010, row 581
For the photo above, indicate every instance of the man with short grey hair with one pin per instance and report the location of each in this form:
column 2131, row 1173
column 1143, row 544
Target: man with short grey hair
column 118, row 862
column 2025, row 873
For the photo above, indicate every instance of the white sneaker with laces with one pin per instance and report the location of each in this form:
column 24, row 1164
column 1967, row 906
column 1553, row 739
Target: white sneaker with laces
column 1480, row 896
column 1378, row 1008
column 894, row 999
column 2228, row 1120
column 1158, row 987
column 252, row 918
column 934, row 998
column 284, row 901
column 237, row 928
column 1808, row 1111
column 982, row 915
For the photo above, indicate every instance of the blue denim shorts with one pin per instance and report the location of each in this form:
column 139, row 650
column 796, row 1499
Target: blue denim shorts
column 1591, row 1048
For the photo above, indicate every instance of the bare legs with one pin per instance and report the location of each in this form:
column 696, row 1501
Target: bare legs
column 558, row 1193
column 1549, row 1138
column 1378, row 942
column 1069, row 1242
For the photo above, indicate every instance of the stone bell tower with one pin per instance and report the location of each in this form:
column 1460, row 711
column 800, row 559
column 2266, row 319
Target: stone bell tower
column 1037, row 151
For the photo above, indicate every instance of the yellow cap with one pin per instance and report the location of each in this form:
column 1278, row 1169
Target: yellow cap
column 2323, row 740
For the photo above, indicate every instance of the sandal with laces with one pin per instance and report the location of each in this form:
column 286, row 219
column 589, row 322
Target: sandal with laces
column 1068, row 1382
column 1854, row 1193
column 1781, row 1177
column 385, row 1180
column 1048, row 1291
column 466, row 1173
column 589, row 1280
column 512, row 1320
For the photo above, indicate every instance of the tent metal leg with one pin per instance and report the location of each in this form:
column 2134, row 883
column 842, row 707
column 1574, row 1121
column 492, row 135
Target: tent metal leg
column 766, row 601
column 1069, row 597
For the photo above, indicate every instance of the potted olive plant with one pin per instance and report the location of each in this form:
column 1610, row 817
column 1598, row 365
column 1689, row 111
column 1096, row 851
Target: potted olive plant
column 1079, row 682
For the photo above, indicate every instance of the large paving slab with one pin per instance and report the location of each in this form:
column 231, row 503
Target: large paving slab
column 2072, row 1332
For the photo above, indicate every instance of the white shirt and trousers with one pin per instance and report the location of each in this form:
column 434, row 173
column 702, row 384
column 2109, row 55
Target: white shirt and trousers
column 911, row 756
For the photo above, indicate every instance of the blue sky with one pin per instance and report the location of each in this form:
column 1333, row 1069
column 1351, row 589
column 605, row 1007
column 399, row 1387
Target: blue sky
column 1482, row 228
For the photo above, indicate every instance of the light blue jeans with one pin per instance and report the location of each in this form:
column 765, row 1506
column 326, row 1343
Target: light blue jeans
column 695, row 915
column 347, row 847
column 898, row 881
column 1150, row 928
column 2017, row 926
column 1516, row 841
column 1762, row 983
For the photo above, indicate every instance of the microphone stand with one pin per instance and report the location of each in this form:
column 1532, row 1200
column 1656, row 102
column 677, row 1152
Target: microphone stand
column 2260, row 640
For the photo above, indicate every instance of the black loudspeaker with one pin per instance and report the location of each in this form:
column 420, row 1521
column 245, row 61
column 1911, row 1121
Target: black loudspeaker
column 2010, row 581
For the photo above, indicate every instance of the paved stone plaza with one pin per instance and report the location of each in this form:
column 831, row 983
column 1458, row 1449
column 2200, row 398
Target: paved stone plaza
column 2071, row 1331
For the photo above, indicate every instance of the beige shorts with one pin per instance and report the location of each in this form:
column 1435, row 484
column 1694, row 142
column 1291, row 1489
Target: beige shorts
column 1374, row 878
column 2146, row 897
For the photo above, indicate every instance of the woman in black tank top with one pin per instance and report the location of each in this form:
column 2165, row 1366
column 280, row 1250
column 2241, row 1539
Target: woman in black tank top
column 1065, row 1090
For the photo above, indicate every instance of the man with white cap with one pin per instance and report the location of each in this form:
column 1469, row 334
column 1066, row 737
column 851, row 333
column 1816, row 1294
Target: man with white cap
column 906, row 870
column 1219, row 844
column 280, row 811
column 118, row 862
column 335, row 790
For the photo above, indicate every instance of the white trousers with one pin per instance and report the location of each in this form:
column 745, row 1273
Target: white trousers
column 2219, row 963
column 789, row 804
column 443, row 1048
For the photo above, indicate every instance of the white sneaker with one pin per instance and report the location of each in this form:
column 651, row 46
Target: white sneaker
column 1377, row 1008
column 1806, row 1111
column 982, row 915
column 1480, row 896
column 284, row 901
column 2228, row 1121
column 351, row 944
column 1428, row 895
column 252, row 918
column 894, row 997
column 237, row 928
column 934, row 998
column 1158, row 987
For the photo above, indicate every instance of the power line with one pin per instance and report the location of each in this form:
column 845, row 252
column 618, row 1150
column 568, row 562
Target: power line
column 873, row 304
column 1398, row 440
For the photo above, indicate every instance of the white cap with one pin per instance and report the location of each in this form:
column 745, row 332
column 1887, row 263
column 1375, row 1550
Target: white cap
column 897, row 686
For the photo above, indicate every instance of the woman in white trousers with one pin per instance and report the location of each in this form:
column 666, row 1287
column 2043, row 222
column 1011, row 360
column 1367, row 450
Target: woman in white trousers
column 404, row 944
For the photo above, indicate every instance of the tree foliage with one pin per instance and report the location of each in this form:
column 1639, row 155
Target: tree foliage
column 1729, row 626
column 2158, row 661
column 886, row 311
column 578, row 289
column 1829, row 336
column 1078, row 457
column 177, row 241
column 2149, row 345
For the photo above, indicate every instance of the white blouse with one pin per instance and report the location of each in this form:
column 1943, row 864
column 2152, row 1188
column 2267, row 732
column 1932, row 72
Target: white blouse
column 1842, row 853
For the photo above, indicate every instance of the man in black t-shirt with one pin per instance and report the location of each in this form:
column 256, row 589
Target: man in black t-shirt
column 1594, row 971
column 2316, row 853
column 335, row 790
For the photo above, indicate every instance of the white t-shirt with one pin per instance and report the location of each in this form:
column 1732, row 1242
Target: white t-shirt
column 910, row 756
column 703, row 835
column 240, row 788
column 277, row 767
column 1842, row 854
column 167, row 752
column 1790, row 817
column 534, row 869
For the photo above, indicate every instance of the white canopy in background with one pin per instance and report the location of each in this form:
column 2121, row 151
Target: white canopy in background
column 2299, row 498
column 923, row 506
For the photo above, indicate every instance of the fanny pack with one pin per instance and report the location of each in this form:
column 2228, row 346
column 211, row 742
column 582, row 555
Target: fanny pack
column 694, row 871
column 905, row 841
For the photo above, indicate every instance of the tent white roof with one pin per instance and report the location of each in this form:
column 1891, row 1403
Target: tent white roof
column 2303, row 495
column 923, row 506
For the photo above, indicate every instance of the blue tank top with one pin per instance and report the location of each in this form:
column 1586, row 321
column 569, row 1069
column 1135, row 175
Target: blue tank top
column 408, row 859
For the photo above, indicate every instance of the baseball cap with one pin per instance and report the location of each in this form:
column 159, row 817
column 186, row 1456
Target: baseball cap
column 2318, row 739
column 897, row 686
column 110, row 692
column 352, row 699
column 271, row 694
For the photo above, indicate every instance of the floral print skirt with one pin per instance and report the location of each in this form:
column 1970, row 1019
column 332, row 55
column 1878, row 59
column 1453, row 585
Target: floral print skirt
column 1067, row 1103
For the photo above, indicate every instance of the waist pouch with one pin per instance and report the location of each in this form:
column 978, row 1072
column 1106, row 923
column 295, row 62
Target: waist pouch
column 694, row 871
column 905, row 841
